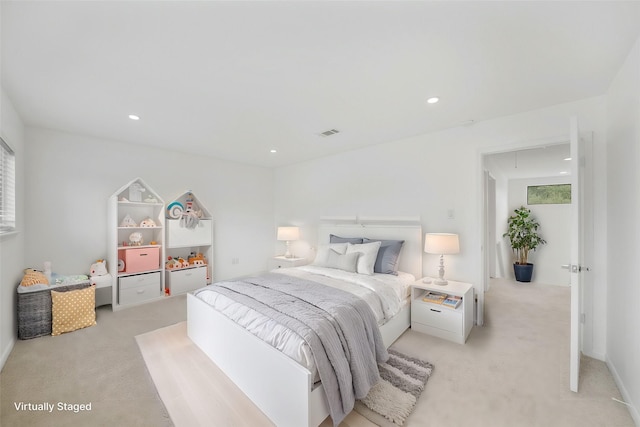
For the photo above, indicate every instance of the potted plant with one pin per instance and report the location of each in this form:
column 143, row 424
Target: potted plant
column 523, row 236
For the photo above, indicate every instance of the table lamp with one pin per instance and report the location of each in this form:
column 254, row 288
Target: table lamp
column 441, row 244
column 288, row 234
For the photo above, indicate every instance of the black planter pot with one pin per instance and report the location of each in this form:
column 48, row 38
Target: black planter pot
column 523, row 272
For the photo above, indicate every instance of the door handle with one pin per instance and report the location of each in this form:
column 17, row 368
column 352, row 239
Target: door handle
column 575, row 268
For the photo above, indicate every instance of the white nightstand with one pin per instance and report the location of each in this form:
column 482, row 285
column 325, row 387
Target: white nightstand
column 438, row 320
column 282, row 262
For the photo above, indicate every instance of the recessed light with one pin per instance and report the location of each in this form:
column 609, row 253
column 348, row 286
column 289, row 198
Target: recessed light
column 134, row 117
column 567, row 159
column 433, row 100
column 273, row 150
column 564, row 173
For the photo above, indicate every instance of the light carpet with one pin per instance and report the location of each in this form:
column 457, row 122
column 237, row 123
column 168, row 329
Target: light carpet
column 193, row 389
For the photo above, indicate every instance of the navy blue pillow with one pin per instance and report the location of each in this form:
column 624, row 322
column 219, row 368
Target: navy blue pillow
column 388, row 256
column 337, row 239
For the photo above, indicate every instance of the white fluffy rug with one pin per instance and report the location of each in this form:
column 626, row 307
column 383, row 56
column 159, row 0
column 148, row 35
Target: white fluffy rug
column 392, row 400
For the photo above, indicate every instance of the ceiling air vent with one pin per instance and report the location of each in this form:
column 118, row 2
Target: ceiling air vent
column 329, row 132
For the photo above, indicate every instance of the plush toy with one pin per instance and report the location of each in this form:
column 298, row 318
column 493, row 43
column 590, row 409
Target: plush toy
column 172, row 263
column 196, row 259
column 99, row 268
column 33, row 277
column 183, row 263
column 135, row 239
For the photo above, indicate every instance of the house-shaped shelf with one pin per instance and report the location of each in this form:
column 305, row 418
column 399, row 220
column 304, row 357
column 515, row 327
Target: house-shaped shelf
column 136, row 245
column 189, row 237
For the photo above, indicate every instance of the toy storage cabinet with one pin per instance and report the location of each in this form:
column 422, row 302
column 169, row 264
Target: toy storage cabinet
column 181, row 241
column 137, row 270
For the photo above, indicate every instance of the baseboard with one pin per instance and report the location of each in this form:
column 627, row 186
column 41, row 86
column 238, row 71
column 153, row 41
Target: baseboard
column 598, row 356
column 623, row 391
column 6, row 353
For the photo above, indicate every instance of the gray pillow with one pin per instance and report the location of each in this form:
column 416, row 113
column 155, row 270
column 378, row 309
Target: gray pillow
column 388, row 256
column 337, row 239
column 346, row 262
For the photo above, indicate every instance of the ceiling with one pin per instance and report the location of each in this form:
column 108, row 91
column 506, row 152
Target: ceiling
column 237, row 79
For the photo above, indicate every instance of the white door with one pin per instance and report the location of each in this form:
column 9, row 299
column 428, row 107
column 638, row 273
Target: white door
column 576, row 253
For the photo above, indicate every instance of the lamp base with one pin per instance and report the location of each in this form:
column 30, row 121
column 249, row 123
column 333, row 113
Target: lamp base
column 440, row 282
column 288, row 253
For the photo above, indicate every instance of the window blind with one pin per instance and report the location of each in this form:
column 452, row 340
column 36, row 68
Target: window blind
column 7, row 188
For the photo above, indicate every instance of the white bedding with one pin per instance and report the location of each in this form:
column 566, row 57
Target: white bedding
column 386, row 295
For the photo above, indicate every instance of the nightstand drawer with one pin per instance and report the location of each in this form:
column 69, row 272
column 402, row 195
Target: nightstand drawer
column 437, row 317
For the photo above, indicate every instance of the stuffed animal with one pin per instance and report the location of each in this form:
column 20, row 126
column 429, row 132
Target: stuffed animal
column 196, row 259
column 172, row 263
column 183, row 263
column 99, row 268
column 33, row 277
column 135, row 239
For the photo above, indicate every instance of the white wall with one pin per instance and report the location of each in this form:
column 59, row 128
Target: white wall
column 427, row 175
column 623, row 157
column 69, row 179
column 11, row 246
column 555, row 221
column 502, row 211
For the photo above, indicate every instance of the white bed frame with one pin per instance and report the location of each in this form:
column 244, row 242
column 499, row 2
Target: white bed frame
column 283, row 389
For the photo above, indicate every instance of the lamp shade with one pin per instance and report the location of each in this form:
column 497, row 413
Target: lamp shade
column 288, row 233
column 441, row 243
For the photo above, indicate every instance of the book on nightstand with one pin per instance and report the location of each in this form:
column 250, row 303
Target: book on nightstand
column 434, row 297
column 452, row 301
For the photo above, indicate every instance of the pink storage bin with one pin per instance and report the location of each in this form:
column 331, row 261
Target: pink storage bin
column 140, row 259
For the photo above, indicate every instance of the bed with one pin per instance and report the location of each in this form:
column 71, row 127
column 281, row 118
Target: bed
column 287, row 390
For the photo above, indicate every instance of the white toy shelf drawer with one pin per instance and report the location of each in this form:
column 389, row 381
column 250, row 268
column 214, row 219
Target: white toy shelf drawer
column 178, row 236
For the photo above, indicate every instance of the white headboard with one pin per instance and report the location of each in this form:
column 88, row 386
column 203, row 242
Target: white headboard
column 407, row 229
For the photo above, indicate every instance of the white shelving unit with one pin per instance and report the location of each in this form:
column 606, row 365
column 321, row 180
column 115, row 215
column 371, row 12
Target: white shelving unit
column 136, row 244
column 184, row 241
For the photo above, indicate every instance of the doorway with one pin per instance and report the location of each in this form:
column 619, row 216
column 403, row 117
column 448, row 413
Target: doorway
column 512, row 176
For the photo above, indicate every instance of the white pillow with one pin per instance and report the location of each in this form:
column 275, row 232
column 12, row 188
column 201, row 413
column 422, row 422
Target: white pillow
column 346, row 262
column 368, row 253
column 322, row 255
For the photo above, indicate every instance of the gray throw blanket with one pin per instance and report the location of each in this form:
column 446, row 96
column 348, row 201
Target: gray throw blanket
column 339, row 327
